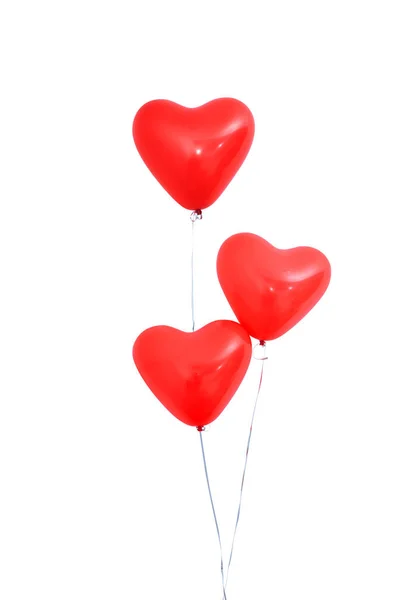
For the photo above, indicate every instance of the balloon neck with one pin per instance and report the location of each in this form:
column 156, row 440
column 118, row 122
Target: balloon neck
column 262, row 342
column 201, row 428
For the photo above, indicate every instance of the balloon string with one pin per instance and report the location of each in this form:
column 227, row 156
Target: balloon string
column 195, row 216
column 214, row 513
column 262, row 359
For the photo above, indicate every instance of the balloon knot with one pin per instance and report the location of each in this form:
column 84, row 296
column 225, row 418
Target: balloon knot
column 201, row 428
column 259, row 351
column 196, row 215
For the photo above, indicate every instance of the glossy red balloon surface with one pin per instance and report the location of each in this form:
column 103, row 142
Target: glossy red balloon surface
column 196, row 374
column 194, row 152
column 270, row 290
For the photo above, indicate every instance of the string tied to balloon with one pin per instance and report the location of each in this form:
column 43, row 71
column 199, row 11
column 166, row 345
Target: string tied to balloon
column 196, row 215
column 201, row 429
column 259, row 353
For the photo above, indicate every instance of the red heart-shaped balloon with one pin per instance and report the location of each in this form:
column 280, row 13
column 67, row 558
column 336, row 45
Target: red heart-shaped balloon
column 194, row 152
column 270, row 290
column 194, row 374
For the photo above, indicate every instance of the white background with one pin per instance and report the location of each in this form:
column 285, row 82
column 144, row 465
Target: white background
column 102, row 491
